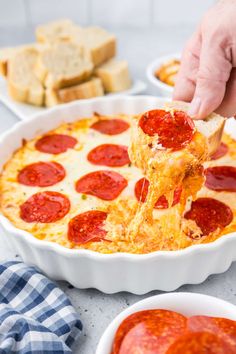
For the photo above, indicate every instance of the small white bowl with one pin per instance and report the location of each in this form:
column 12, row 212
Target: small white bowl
column 163, row 89
column 188, row 304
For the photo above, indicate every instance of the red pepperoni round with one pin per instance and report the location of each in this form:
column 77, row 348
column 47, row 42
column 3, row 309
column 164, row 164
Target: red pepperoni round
column 200, row 343
column 45, row 207
column 150, row 121
column 109, row 155
column 55, row 143
column 209, row 214
column 87, row 227
column 106, row 185
column 141, row 191
column 41, row 174
column 221, row 178
column 220, row 152
column 174, row 131
column 149, row 331
column 110, row 126
column 222, row 327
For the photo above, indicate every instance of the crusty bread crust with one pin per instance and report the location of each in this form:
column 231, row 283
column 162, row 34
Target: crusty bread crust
column 3, row 68
column 5, row 54
column 51, row 98
column 20, row 94
column 88, row 89
column 211, row 127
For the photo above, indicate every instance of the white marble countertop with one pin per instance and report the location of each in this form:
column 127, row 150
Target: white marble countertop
column 96, row 309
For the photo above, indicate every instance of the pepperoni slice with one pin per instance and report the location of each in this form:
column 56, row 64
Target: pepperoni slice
column 150, row 121
column 55, row 143
column 221, row 178
column 41, row 174
column 110, row 126
column 174, row 131
column 109, row 155
column 209, row 214
column 220, row 152
column 106, row 185
column 200, row 343
column 87, row 227
column 45, row 207
column 149, row 331
column 141, row 191
column 222, row 327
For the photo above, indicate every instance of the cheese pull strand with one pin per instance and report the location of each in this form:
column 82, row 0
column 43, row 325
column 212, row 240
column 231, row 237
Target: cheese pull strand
column 166, row 170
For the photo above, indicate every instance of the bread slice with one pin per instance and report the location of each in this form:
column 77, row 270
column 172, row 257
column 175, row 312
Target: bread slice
column 8, row 52
column 100, row 44
column 88, row 89
column 63, row 65
column 23, row 85
column 114, row 75
column 5, row 55
column 211, row 127
column 61, row 30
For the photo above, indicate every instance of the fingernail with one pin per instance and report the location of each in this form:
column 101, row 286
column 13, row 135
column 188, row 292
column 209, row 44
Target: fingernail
column 194, row 107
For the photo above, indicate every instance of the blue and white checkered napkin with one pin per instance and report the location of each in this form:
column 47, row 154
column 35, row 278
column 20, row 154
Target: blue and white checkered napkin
column 35, row 315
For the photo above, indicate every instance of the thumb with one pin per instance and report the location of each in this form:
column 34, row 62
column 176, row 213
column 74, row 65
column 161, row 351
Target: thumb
column 213, row 74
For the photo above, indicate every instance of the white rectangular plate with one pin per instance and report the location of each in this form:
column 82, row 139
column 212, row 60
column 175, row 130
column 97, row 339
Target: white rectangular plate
column 25, row 111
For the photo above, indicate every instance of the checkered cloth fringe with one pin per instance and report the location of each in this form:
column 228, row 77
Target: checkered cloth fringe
column 35, row 315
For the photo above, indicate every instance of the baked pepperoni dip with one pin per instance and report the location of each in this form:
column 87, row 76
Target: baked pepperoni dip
column 86, row 185
column 168, row 332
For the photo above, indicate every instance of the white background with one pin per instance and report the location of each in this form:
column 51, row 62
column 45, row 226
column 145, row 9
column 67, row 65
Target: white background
column 128, row 13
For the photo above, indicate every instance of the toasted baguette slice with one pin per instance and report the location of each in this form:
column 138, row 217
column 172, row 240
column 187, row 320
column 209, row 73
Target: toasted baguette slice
column 114, row 75
column 61, row 30
column 100, row 44
column 211, row 127
column 23, row 85
column 63, row 65
column 8, row 52
column 88, row 89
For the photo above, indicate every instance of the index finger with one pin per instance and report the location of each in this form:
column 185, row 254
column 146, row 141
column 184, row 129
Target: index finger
column 186, row 79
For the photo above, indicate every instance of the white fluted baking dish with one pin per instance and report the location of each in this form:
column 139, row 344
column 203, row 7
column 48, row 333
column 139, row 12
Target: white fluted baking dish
column 110, row 273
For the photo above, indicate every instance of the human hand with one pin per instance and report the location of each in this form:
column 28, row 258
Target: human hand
column 207, row 76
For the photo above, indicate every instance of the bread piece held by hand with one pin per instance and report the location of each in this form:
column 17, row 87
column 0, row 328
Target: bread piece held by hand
column 211, row 127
